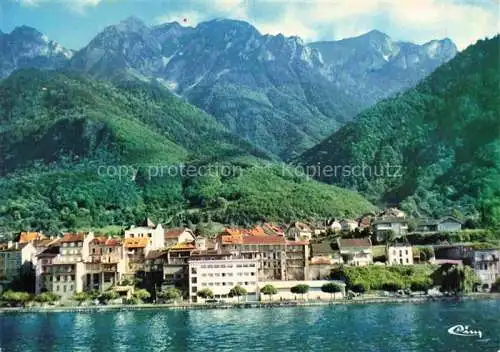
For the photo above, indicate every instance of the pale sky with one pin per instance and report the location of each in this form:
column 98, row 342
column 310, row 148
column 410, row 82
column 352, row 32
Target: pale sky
column 74, row 22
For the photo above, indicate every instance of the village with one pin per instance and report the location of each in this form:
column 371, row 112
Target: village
column 154, row 263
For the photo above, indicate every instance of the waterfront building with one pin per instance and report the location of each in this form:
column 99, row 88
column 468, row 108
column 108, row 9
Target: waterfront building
column 399, row 254
column 16, row 260
column 356, row 251
column 64, row 273
column 486, row 265
column 135, row 251
column 220, row 272
column 105, row 264
column 279, row 259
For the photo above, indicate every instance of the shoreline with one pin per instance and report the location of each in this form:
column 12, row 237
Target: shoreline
column 247, row 305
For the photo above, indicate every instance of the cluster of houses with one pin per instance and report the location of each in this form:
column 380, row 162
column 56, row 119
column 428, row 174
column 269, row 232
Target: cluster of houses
column 391, row 222
column 160, row 258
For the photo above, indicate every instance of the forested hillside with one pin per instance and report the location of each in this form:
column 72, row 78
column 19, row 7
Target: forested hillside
column 80, row 153
column 443, row 137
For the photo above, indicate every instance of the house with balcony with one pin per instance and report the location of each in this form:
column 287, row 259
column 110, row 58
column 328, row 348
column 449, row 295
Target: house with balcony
column 279, row 259
column 356, row 251
column 105, row 264
column 135, row 251
column 486, row 265
column 65, row 273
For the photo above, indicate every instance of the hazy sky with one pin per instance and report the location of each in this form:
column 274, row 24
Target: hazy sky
column 74, row 22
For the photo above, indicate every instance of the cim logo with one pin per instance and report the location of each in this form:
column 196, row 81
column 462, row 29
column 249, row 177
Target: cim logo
column 461, row 330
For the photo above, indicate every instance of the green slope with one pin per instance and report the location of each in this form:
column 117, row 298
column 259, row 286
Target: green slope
column 65, row 138
column 443, row 137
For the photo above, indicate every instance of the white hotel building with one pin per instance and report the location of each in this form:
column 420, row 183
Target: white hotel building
column 220, row 275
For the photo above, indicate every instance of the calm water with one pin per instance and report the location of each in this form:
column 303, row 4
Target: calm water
column 329, row 328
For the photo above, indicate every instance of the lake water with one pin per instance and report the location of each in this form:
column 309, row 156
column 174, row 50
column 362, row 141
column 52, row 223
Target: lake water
column 383, row 327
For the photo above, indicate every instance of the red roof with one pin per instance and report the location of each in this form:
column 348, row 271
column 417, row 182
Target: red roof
column 354, row 243
column 447, row 261
column 136, row 242
column 99, row 240
column 264, row 240
column 105, row 241
column 297, row 243
column 174, row 233
column 30, row 237
column 73, row 237
column 233, row 232
column 256, row 231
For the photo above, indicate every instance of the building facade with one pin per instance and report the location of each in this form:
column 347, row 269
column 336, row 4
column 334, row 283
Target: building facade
column 155, row 234
column 486, row 265
column 356, row 251
column 221, row 273
column 399, row 255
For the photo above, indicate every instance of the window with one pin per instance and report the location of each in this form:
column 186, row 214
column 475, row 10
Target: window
column 407, row 260
column 193, row 270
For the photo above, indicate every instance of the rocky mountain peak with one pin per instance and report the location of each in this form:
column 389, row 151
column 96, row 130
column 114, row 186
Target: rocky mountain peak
column 131, row 24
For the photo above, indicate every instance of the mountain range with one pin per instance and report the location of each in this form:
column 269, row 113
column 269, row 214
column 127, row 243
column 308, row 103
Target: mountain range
column 276, row 92
column 441, row 137
column 222, row 96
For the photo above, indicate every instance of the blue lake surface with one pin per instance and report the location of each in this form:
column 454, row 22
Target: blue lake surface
column 378, row 327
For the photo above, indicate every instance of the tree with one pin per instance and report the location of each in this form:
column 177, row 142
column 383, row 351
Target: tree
column 108, row 295
column 423, row 284
column 331, row 288
column 456, row 278
column 426, row 254
column 392, row 286
column 81, row 297
column 171, row 294
column 358, row 287
column 237, row 291
column 142, row 294
column 495, row 287
column 205, row 293
column 15, row 297
column 269, row 290
column 301, row 289
column 46, row 297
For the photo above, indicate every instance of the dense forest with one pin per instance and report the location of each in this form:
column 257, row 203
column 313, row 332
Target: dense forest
column 79, row 153
column 433, row 150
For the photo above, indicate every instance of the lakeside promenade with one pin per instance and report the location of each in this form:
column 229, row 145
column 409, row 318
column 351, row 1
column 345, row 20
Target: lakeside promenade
column 247, row 305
